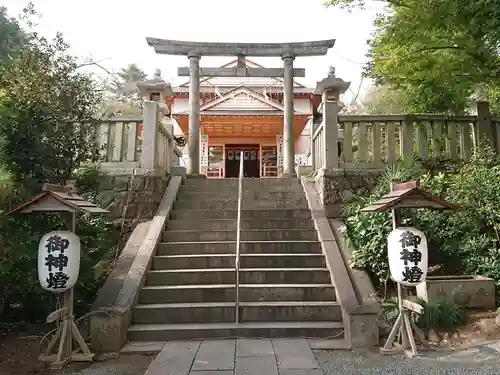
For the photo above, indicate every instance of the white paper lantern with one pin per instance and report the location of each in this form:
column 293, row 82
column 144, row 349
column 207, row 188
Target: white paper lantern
column 408, row 256
column 58, row 261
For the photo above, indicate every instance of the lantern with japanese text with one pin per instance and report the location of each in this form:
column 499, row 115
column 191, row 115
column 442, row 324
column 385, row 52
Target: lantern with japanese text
column 408, row 257
column 58, row 261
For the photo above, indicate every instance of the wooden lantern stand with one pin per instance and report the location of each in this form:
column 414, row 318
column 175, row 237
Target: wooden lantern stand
column 58, row 198
column 405, row 195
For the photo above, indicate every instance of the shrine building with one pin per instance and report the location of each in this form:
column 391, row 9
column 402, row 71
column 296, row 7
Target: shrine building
column 242, row 107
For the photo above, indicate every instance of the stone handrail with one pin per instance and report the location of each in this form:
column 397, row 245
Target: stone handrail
column 145, row 142
column 373, row 141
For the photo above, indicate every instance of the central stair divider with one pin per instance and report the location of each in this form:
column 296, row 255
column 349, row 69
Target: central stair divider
column 238, row 242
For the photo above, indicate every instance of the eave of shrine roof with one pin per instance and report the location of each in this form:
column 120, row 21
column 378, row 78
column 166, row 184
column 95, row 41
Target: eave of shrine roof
column 241, row 99
column 242, row 81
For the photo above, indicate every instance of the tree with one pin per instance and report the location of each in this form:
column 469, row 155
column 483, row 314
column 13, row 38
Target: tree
column 47, row 112
column 13, row 36
column 126, row 86
column 435, row 52
column 383, row 100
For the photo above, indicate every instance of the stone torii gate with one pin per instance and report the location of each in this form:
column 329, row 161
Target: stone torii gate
column 194, row 51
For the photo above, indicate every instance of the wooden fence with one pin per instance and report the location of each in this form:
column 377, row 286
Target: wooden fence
column 147, row 142
column 373, row 141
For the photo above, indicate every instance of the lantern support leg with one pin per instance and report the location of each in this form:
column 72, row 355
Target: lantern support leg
column 66, row 333
column 405, row 328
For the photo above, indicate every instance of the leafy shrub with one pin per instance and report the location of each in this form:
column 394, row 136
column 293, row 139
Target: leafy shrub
column 466, row 241
column 440, row 315
column 21, row 296
column 367, row 233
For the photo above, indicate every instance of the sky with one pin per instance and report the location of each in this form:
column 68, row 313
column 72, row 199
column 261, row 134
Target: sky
column 114, row 32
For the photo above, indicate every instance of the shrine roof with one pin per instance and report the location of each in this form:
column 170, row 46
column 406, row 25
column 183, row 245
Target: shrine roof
column 408, row 195
column 58, row 201
column 242, row 100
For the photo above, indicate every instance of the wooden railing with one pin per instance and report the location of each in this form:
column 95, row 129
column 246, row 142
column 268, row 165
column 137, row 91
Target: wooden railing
column 146, row 142
column 372, row 142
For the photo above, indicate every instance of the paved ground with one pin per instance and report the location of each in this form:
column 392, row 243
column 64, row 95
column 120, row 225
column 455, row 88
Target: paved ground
column 294, row 357
column 236, row 357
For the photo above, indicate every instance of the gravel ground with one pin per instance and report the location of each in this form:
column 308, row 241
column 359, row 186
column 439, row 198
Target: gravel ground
column 483, row 360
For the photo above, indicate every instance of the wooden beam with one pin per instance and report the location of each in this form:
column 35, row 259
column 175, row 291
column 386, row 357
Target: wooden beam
column 241, row 72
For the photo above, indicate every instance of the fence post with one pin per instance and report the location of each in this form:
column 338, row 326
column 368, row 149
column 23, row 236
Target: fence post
column 331, row 88
column 330, row 131
column 312, row 149
column 149, row 135
column 485, row 127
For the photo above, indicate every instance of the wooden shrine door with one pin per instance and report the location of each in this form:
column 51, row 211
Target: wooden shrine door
column 251, row 163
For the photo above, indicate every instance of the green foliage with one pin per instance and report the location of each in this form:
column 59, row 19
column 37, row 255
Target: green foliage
column 381, row 100
column 435, row 53
column 47, row 109
column 367, row 233
column 390, row 310
column 13, row 37
column 47, row 122
column 87, row 177
column 21, row 297
column 440, row 315
column 465, row 241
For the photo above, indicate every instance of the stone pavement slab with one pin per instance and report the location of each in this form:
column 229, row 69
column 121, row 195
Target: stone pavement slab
column 215, row 355
column 315, row 371
column 254, row 348
column 264, row 365
column 294, row 354
column 175, row 358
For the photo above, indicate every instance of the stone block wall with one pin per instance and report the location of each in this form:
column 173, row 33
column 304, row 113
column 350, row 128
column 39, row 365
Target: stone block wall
column 338, row 186
column 133, row 199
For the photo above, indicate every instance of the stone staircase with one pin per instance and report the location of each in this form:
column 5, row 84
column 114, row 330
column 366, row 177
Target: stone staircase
column 285, row 286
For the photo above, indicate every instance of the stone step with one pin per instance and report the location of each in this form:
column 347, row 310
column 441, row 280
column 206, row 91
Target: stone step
column 246, row 235
column 230, row 224
column 199, row 214
column 248, row 195
column 247, row 247
column 192, row 331
column 218, row 312
column 205, row 261
column 245, row 181
column 284, row 260
column 247, row 276
column 199, row 261
column 226, row 293
column 207, row 204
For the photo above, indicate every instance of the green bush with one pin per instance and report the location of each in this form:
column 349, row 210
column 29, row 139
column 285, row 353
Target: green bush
column 21, row 297
column 440, row 315
column 367, row 233
column 465, row 241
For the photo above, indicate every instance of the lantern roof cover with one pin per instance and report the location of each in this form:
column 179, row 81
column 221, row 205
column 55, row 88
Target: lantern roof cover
column 408, row 195
column 58, row 198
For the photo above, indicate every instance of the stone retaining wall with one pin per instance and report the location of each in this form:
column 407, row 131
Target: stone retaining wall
column 338, row 186
column 132, row 199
